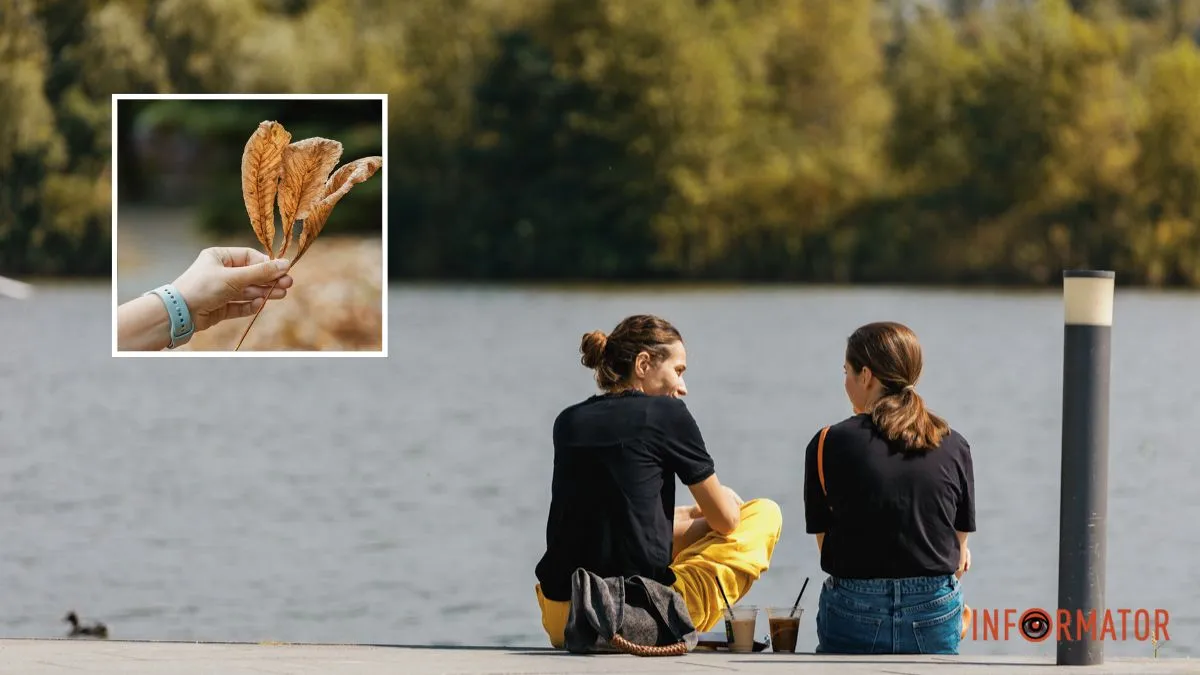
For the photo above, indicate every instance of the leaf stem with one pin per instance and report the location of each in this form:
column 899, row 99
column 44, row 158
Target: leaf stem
column 255, row 318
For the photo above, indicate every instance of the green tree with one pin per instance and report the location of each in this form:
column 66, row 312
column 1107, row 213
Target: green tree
column 444, row 48
column 30, row 145
column 1015, row 148
column 1163, row 244
column 829, row 112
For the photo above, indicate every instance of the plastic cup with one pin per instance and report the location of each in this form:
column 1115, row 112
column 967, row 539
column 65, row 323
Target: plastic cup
column 784, row 627
column 740, row 629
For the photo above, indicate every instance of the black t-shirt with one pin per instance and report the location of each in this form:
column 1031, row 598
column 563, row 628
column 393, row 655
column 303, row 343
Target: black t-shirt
column 894, row 513
column 612, row 499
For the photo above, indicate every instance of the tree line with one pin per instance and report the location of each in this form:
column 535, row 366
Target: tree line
column 800, row 140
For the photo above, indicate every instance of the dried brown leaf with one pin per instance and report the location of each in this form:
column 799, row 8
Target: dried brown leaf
column 333, row 190
column 336, row 187
column 262, row 160
column 306, row 166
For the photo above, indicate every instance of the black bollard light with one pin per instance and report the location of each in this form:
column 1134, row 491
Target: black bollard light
column 1083, row 506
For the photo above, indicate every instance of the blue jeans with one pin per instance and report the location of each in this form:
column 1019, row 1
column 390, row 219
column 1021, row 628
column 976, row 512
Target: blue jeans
column 919, row 615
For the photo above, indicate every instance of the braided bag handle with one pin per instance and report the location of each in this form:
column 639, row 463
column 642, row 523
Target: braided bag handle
column 677, row 649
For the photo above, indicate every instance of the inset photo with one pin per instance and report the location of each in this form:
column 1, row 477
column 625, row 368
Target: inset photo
column 250, row 225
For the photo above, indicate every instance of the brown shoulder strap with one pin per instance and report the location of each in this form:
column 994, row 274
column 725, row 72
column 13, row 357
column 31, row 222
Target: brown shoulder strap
column 821, row 459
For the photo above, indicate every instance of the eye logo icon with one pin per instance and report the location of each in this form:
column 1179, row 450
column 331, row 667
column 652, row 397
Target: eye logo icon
column 1035, row 625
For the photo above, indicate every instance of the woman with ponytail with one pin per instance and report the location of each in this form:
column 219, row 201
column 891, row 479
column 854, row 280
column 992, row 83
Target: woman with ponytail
column 890, row 495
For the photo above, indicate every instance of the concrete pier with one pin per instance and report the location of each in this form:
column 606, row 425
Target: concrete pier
column 45, row 656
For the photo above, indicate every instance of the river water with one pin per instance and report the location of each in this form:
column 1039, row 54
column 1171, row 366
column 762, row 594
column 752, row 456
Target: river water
column 404, row 501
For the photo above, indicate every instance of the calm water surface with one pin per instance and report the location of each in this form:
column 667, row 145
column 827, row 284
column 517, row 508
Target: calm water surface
column 404, row 501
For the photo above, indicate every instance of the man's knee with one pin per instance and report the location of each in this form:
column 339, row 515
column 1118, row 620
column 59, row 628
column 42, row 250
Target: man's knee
column 764, row 510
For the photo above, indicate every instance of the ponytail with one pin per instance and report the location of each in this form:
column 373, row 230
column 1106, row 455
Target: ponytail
column 902, row 416
column 893, row 354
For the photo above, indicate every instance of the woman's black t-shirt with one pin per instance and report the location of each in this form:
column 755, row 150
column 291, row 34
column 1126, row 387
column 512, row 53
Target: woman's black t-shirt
column 889, row 513
column 612, row 498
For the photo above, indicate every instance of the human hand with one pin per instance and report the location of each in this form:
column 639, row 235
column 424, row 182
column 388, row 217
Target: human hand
column 230, row 283
column 964, row 563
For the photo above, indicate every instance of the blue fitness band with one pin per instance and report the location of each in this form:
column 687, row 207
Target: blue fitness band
column 181, row 319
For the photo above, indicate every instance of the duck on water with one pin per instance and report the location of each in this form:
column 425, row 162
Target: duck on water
column 96, row 630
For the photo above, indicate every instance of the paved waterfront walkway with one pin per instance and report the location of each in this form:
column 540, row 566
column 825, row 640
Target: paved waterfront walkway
column 38, row 657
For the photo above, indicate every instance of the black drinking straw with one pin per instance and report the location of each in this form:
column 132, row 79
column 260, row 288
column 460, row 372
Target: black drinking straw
column 724, row 597
column 795, row 606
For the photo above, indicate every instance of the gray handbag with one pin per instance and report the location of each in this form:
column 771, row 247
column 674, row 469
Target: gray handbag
column 630, row 615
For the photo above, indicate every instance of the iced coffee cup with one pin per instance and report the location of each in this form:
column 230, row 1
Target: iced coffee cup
column 784, row 626
column 741, row 628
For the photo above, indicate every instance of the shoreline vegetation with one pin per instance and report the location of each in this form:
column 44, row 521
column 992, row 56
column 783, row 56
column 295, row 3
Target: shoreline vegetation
column 559, row 142
column 675, row 285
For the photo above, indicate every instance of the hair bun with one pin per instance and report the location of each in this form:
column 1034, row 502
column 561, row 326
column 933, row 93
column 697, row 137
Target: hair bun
column 592, row 348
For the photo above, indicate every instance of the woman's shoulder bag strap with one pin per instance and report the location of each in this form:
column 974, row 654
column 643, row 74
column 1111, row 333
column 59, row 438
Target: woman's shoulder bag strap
column 821, row 459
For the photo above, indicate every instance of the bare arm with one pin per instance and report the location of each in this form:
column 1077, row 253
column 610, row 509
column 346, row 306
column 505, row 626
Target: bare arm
column 820, row 540
column 143, row 325
column 717, row 505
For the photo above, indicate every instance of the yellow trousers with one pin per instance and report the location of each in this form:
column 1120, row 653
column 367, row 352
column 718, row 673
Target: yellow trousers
column 738, row 559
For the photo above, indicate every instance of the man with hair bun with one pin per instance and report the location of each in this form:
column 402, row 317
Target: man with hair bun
column 616, row 457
